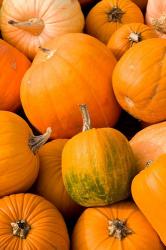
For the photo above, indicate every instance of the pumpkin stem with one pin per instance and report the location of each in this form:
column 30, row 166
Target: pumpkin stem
column 20, row 228
column 85, row 117
column 34, row 25
column 135, row 37
column 148, row 163
column 35, row 142
column 118, row 229
column 160, row 24
column 115, row 15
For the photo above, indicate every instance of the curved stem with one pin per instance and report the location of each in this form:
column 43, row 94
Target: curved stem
column 20, row 228
column 85, row 117
column 118, row 229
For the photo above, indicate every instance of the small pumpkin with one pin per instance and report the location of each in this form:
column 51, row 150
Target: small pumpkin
column 19, row 163
column 97, row 165
column 29, row 221
column 141, row 3
column 49, row 183
column 127, row 36
column 148, row 190
column 119, row 226
column 109, row 15
column 139, row 81
column 38, row 22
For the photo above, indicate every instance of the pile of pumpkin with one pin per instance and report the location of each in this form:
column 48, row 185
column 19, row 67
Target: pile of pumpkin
column 74, row 70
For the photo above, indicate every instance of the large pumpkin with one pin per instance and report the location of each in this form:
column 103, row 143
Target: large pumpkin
column 29, row 24
column 64, row 74
column 49, row 182
column 141, row 3
column 117, row 227
column 19, row 164
column 148, row 144
column 97, row 165
column 30, row 222
column 109, row 15
column 13, row 65
column 148, row 190
column 127, row 36
column 139, row 81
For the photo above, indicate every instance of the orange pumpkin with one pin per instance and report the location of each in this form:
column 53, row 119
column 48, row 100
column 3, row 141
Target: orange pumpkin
column 127, row 36
column 49, row 182
column 13, row 65
column 1, row 2
column 19, row 164
column 120, row 226
column 29, row 24
column 109, row 15
column 139, row 81
column 30, row 222
column 148, row 190
column 60, row 80
column 141, row 3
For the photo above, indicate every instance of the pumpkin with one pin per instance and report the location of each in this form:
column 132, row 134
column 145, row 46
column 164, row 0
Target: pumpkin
column 49, row 183
column 97, row 165
column 141, row 3
column 19, row 164
column 1, row 2
column 29, row 24
column 127, row 36
column 13, row 65
column 63, row 74
column 148, row 190
column 109, row 15
column 28, row 221
column 119, row 226
column 156, row 16
column 148, row 144
column 139, row 81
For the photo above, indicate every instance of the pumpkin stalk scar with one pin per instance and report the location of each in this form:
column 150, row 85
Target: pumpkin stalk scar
column 35, row 142
column 115, row 15
column 85, row 117
column 20, row 228
column 118, row 229
column 160, row 24
column 49, row 53
column 134, row 37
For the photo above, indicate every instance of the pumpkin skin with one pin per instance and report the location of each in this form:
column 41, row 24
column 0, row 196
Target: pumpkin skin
column 101, row 21
column 89, row 235
column 127, row 36
column 48, row 85
column 150, row 183
column 141, row 3
column 142, row 96
column 46, row 20
column 49, row 183
column 12, row 73
column 148, row 144
column 48, row 229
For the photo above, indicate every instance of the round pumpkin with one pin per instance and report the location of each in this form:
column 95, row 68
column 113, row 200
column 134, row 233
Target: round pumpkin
column 119, row 226
column 19, row 164
column 64, row 74
column 13, row 65
column 49, row 183
column 29, row 24
column 30, row 222
column 141, row 3
column 139, row 81
column 148, row 190
column 109, row 15
column 127, row 36
column 97, row 165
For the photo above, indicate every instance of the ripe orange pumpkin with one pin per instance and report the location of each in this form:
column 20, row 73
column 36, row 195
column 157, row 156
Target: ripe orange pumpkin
column 120, row 226
column 64, row 74
column 139, row 81
column 13, row 65
column 30, row 222
column 148, row 190
column 127, row 36
column 141, row 3
column 19, row 163
column 29, row 24
column 49, row 183
column 109, row 15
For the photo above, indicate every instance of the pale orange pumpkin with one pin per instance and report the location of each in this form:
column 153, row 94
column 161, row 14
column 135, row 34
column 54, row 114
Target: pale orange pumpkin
column 29, row 24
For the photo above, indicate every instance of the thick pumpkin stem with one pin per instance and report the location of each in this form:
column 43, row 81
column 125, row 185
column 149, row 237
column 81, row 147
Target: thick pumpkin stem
column 85, row 117
column 34, row 25
column 160, row 24
column 115, row 15
column 35, row 142
column 20, row 228
column 135, row 37
column 118, row 229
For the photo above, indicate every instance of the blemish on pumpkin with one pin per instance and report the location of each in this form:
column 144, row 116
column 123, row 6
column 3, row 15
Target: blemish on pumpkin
column 14, row 65
column 129, row 102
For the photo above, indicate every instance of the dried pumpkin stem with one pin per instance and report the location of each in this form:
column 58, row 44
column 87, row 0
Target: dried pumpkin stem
column 85, row 117
column 115, row 15
column 118, row 229
column 20, row 228
column 160, row 24
column 135, row 37
column 35, row 142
